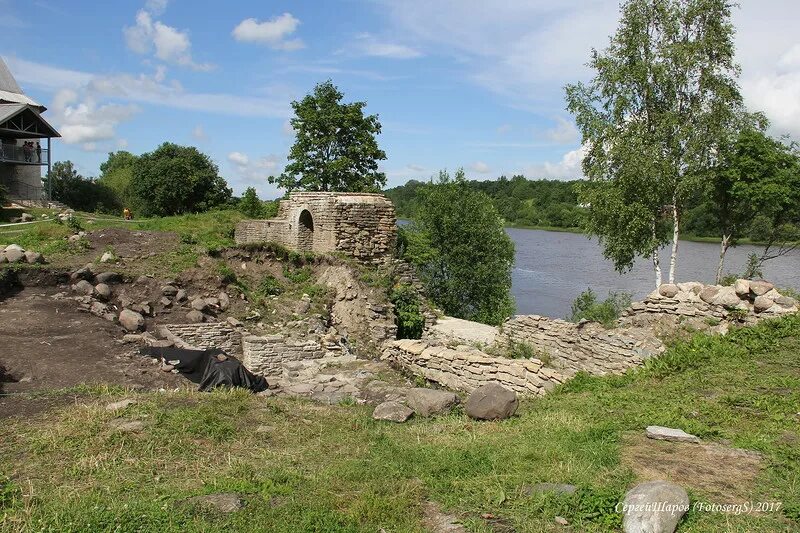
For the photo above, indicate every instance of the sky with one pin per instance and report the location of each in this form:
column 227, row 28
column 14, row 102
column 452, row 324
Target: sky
column 456, row 83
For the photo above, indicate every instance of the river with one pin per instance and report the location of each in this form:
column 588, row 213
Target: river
column 552, row 268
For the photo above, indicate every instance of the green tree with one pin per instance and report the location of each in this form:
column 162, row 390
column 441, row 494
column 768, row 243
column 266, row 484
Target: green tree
column 178, row 179
column 116, row 173
column 463, row 254
column 78, row 192
column 250, row 204
column 757, row 181
column 663, row 101
column 335, row 147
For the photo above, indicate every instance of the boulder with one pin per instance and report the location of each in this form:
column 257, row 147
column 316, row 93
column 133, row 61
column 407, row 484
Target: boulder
column 131, row 320
column 427, row 402
column 234, row 322
column 14, row 255
column 224, row 301
column 223, row 502
column 108, row 277
column 392, row 411
column 85, row 272
column 33, row 257
column 709, row 293
column 102, row 291
column 691, row 286
column 3, row 258
column 786, row 302
column 654, row 507
column 16, row 247
column 195, row 317
column 199, row 304
column 668, row 290
column 84, row 287
column 742, row 287
column 670, row 434
column 491, row 402
column 760, row 287
column 107, row 257
column 180, row 296
column 762, row 303
column 727, row 297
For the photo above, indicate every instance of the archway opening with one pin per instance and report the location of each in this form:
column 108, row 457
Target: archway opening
column 305, row 231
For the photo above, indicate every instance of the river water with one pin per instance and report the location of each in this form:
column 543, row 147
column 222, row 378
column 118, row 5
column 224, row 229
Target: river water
column 552, row 268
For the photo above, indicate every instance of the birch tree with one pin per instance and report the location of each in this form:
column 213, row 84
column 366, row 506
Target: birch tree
column 663, row 98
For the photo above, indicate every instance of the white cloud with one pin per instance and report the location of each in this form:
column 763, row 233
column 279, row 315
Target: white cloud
column 564, row 132
column 169, row 44
column 239, row 159
column 480, row 167
column 82, row 121
column 416, row 168
column 569, row 168
column 272, row 32
column 156, row 7
column 122, row 144
column 368, row 45
column 199, row 133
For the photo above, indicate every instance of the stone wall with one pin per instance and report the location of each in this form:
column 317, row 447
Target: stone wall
column 267, row 355
column 209, row 335
column 585, row 346
column 361, row 225
column 465, row 368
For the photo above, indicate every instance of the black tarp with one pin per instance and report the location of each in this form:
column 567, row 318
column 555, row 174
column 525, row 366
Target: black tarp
column 205, row 368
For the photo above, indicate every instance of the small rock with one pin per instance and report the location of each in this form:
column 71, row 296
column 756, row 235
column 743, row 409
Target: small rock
column 709, row 293
column 761, row 304
column 85, row 272
column 760, row 287
column 169, row 290
column 107, row 257
column 83, row 287
column 180, row 296
column 102, row 291
column 561, row 521
column 122, row 404
column 224, row 301
column 742, row 287
column 675, row 435
column 131, row 320
column 128, row 426
column 223, row 502
column 108, row 277
column 491, row 402
column 302, row 307
column 726, row 297
column 427, row 402
column 234, row 322
column 14, row 255
column 265, row 429
column 392, row 411
column 195, row 317
column 654, row 507
column 199, row 304
column 33, row 257
column 786, row 301
column 129, row 338
column 16, row 247
column 74, row 238
column 668, row 290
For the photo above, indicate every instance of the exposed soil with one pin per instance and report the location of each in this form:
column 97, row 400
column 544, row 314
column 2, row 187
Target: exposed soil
column 724, row 475
column 49, row 344
column 126, row 244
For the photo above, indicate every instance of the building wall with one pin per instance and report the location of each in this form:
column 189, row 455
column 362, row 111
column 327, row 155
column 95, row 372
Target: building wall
column 266, row 355
column 209, row 335
column 361, row 225
column 22, row 181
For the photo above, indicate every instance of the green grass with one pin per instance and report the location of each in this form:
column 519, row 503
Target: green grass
column 333, row 468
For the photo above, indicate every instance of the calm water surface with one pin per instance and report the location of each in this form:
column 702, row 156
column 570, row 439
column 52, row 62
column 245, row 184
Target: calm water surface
column 552, row 268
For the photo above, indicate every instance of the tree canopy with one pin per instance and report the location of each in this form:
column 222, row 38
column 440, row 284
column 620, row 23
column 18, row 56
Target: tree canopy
column 461, row 251
column 335, row 147
column 174, row 180
column 663, row 101
column 78, row 192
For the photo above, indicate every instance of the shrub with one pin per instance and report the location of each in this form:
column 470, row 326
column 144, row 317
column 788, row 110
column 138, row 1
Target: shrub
column 297, row 275
column 270, row 286
column 250, row 205
column 586, row 307
column 408, row 315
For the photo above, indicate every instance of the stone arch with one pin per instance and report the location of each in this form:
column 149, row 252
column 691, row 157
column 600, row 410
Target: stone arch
column 305, row 231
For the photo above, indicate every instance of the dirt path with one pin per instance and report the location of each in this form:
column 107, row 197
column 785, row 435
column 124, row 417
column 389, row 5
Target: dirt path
column 47, row 344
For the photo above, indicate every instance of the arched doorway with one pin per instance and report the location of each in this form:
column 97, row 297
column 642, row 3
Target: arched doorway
column 305, row 231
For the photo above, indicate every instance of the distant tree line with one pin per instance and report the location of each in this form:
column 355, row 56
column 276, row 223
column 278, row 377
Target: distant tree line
column 170, row 180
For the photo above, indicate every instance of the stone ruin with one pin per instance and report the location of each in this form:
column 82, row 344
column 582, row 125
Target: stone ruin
column 360, row 225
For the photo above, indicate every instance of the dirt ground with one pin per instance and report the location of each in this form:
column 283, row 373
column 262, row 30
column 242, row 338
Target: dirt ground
column 48, row 344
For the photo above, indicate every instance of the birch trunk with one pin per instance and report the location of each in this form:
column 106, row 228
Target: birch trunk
column 673, row 258
column 656, row 260
column 723, row 248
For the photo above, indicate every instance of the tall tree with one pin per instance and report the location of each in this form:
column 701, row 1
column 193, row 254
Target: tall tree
column 178, row 179
column 116, row 173
column 78, row 192
column 335, row 147
column 663, row 100
column 461, row 251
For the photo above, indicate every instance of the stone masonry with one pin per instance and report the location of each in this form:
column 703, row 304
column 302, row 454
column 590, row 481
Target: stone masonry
column 586, row 346
column 209, row 335
column 466, row 368
column 267, row 355
column 360, row 225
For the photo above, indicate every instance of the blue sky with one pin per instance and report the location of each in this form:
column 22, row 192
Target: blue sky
column 457, row 83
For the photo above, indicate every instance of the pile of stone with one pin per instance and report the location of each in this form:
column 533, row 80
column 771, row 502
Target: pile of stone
column 24, row 217
column 746, row 300
column 488, row 402
column 14, row 253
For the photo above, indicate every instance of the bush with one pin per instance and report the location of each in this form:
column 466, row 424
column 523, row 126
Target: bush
column 250, row 205
column 270, row 286
column 408, row 316
column 586, row 307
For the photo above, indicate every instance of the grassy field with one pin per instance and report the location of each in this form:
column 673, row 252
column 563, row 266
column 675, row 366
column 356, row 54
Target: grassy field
column 300, row 466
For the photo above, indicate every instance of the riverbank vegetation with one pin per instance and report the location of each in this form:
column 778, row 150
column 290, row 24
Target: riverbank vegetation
column 302, row 466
